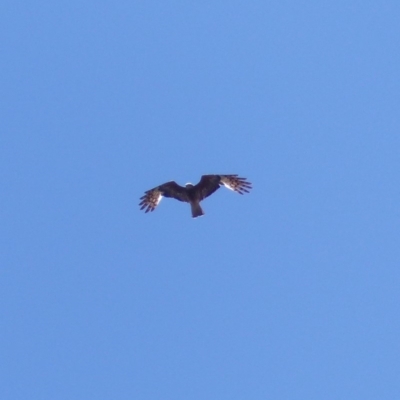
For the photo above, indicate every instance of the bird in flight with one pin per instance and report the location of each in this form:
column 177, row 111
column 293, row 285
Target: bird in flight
column 193, row 194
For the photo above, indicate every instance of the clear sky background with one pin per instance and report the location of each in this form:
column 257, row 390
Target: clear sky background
column 289, row 292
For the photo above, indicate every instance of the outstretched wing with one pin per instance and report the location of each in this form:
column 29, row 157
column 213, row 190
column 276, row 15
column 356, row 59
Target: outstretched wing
column 210, row 183
column 235, row 183
column 152, row 197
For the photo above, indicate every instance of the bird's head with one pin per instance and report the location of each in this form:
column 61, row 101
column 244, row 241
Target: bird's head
column 188, row 185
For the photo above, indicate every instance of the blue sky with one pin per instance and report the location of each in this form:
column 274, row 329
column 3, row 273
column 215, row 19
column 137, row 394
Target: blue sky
column 289, row 292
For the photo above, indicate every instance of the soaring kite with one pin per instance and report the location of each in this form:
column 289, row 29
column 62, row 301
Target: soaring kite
column 193, row 194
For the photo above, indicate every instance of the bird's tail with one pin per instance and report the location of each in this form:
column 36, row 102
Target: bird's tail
column 196, row 209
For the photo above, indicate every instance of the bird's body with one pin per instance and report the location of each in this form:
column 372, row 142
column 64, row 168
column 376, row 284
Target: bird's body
column 193, row 194
column 197, row 211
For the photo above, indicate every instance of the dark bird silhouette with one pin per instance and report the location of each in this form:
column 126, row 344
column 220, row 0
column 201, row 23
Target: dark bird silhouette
column 193, row 194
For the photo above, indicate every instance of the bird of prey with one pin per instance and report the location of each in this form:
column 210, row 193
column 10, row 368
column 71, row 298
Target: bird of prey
column 193, row 194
